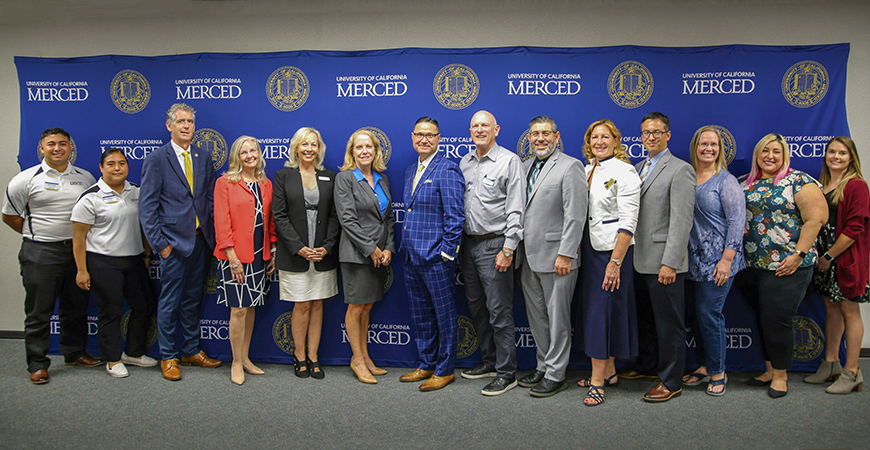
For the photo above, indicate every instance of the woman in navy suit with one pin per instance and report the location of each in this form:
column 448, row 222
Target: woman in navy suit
column 308, row 232
column 245, row 240
column 362, row 200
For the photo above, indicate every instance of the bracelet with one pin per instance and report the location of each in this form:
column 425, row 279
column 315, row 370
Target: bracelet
column 237, row 264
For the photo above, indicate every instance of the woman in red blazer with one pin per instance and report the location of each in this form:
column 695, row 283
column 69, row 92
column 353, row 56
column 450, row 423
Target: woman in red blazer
column 245, row 242
column 843, row 271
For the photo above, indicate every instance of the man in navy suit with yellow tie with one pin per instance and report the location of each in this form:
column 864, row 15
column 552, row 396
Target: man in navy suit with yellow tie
column 431, row 234
column 176, row 209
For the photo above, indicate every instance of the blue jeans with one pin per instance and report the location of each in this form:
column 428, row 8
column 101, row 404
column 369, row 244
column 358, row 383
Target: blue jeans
column 709, row 303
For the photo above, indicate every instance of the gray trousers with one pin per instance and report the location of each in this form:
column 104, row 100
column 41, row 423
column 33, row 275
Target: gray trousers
column 490, row 295
column 548, row 308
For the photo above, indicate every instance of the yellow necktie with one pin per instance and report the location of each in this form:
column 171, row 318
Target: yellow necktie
column 188, row 172
column 417, row 177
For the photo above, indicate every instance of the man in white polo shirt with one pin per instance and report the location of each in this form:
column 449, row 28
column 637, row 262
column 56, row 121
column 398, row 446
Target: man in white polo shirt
column 38, row 205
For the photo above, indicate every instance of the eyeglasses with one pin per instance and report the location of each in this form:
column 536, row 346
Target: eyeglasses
column 656, row 134
column 543, row 134
column 427, row 136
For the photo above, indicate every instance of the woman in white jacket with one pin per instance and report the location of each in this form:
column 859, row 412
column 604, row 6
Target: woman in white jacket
column 609, row 317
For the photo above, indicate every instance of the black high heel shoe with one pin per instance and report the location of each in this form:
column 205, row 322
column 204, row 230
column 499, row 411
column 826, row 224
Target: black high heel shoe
column 314, row 369
column 300, row 367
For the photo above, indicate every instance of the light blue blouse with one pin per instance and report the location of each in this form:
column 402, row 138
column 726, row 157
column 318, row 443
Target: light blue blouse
column 383, row 200
column 719, row 222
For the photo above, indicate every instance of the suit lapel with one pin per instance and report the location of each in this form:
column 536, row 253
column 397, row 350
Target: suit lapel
column 427, row 174
column 554, row 158
column 658, row 170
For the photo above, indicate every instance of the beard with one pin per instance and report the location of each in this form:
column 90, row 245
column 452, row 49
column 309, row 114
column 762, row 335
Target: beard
column 541, row 154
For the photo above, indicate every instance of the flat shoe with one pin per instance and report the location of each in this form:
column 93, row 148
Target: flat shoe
column 717, row 383
column 755, row 382
column 699, row 379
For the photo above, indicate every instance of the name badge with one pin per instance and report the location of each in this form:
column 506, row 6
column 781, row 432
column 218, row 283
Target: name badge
column 52, row 186
column 323, row 178
column 109, row 199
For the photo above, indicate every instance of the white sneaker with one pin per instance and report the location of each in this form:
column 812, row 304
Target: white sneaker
column 142, row 361
column 118, row 370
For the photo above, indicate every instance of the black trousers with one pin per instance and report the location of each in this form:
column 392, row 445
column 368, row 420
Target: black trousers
column 775, row 300
column 114, row 278
column 48, row 272
column 661, row 329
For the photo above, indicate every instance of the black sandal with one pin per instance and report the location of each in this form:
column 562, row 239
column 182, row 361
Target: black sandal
column 314, row 369
column 300, row 368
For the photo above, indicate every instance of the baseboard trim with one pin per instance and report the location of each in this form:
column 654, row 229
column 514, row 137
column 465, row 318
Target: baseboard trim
column 865, row 352
column 20, row 335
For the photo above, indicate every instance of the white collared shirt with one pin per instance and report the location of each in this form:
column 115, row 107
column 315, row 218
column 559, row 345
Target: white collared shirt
column 114, row 219
column 45, row 197
column 179, row 153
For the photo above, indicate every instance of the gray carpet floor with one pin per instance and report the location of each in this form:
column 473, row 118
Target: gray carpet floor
column 85, row 408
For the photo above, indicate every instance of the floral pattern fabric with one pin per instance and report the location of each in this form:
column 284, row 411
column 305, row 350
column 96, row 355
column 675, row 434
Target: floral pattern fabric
column 773, row 221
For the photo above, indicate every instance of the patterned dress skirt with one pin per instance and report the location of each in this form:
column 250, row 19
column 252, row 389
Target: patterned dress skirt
column 825, row 283
column 255, row 289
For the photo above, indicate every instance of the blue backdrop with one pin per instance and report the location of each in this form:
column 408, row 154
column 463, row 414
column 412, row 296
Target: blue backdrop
column 749, row 91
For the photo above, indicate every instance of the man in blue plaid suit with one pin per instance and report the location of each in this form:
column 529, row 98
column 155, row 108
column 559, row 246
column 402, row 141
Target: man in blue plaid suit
column 434, row 217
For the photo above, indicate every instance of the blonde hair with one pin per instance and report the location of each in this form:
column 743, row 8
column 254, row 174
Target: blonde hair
column 301, row 135
column 755, row 173
column 350, row 164
column 234, row 174
column 853, row 171
column 618, row 152
column 721, row 163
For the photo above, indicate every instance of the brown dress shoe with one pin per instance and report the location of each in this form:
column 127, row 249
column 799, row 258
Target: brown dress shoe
column 170, row 369
column 85, row 360
column 416, row 375
column 200, row 359
column 436, row 382
column 39, row 377
column 632, row 374
column 661, row 393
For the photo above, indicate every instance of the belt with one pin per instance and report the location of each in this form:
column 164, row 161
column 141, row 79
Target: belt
column 63, row 243
column 484, row 237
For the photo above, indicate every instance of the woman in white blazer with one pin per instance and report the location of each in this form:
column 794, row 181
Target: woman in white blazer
column 609, row 318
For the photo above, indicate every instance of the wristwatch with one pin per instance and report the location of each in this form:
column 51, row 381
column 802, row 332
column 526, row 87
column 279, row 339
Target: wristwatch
column 507, row 253
column 618, row 262
column 828, row 257
column 800, row 253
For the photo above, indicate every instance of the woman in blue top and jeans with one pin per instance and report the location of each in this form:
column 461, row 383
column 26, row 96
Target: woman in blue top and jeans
column 715, row 253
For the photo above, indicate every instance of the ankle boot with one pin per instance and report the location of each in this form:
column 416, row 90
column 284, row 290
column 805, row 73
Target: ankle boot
column 828, row 371
column 849, row 381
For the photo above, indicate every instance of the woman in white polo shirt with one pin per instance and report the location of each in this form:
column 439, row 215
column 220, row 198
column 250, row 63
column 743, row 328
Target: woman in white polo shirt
column 108, row 243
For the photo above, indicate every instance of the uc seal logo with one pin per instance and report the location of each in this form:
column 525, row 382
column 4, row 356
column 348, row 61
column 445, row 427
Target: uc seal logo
column 525, row 149
column 287, row 88
column 388, row 280
column 630, row 84
column 209, row 285
column 808, row 339
column 456, row 86
column 152, row 328
column 73, row 152
column 467, row 341
column 130, row 91
column 730, row 144
column 214, row 142
column 805, row 84
column 281, row 333
column 383, row 140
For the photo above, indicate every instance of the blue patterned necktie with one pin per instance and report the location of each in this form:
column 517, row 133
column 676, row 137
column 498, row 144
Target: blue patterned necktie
column 534, row 177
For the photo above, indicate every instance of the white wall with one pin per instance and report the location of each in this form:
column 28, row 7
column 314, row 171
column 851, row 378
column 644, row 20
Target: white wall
column 56, row 28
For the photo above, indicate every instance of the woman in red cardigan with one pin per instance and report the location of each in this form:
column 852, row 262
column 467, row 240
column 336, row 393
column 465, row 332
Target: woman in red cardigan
column 843, row 271
column 245, row 242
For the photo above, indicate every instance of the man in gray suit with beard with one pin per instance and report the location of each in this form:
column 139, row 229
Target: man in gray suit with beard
column 667, row 204
column 549, row 255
